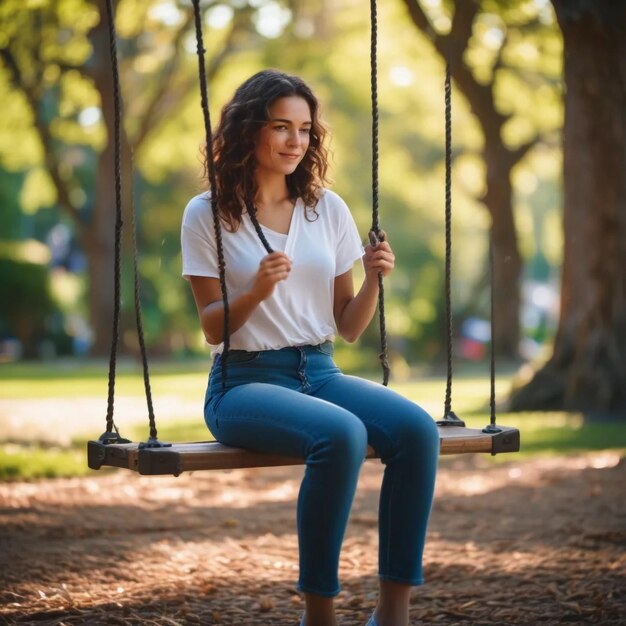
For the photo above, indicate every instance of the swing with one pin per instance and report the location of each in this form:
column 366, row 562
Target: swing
column 154, row 457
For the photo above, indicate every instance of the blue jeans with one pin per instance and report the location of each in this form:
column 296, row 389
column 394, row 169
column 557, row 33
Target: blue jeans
column 296, row 402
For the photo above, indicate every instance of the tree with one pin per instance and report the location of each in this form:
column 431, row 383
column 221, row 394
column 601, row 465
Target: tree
column 56, row 56
column 587, row 369
column 327, row 41
column 500, row 155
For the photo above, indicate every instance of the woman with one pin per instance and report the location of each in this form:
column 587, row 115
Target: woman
column 283, row 393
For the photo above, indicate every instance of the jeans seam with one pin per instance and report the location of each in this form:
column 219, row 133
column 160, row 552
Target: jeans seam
column 388, row 546
column 219, row 396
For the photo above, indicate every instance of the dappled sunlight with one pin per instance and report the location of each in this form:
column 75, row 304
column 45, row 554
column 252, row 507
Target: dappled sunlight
column 49, row 419
column 504, row 540
column 534, row 537
column 166, row 493
column 241, row 498
column 471, row 485
column 604, row 460
column 531, row 475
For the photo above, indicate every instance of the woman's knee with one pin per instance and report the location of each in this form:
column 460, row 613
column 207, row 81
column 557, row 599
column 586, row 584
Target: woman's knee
column 415, row 430
column 344, row 440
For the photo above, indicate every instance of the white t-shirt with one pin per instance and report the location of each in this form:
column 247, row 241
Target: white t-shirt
column 300, row 310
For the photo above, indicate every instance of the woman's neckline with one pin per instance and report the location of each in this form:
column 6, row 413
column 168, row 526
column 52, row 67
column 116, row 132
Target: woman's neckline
column 291, row 222
column 275, row 233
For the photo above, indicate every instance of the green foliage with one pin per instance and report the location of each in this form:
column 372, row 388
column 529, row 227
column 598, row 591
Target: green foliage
column 44, row 39
column 27, row 301
column 328, row 46
column 32, row 462
column 10, row 213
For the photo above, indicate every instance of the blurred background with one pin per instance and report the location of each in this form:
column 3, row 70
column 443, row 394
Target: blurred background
column 56, row 168
column 527, row 76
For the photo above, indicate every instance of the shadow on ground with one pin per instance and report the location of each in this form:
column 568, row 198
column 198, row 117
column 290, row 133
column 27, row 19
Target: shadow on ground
column 538, row 541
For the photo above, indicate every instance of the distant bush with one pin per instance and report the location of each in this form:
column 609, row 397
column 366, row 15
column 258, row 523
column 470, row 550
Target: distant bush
column 26, row 300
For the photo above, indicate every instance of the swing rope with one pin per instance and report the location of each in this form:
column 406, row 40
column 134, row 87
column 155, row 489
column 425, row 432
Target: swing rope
column 492, row 427
column 257, row 226
column 448, row 106
column 187, row 457
column 108, row 436
column 449, row 417
column 375, row 234
column 152, row 438
column 213, row 184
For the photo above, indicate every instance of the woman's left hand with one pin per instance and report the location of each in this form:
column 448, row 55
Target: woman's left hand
column 378, row 259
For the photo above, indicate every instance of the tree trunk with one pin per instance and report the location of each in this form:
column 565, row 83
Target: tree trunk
column 98, row 239
column 507, row 262
column 500, row 161
column 587, row 371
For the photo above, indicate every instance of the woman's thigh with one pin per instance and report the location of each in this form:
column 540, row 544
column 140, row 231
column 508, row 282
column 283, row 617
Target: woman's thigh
column 273, row 419
column 390, row 418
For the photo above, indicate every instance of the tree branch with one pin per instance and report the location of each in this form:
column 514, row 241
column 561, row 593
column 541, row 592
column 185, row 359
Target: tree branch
column 461, row 29
column 453, row 47
column 163, row 102
column 455, row 43
column 50, row 158
column 520, row 152
column 148, row 119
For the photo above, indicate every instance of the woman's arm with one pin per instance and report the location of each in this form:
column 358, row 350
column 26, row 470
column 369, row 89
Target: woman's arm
column 354, row 313
column 208, row 296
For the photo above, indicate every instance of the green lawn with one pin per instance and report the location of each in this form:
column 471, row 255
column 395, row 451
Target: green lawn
column 70, row 379
column 541, row 433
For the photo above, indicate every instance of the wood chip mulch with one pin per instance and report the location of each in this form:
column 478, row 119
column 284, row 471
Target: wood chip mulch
column 528, row 542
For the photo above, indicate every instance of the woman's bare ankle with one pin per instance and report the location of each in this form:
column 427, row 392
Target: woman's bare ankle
column 320, row 610
column 393, row 604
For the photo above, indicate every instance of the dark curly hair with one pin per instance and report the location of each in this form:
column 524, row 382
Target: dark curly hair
column 234, row 145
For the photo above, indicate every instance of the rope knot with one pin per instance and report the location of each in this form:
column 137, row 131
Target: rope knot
column 384, row 361
column 376, row 237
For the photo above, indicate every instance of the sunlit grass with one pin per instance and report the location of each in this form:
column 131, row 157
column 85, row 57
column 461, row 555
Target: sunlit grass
column 29, row 462
column 541, row 433
column 68, row 380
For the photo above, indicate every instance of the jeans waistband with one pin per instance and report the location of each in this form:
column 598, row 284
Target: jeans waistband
column 297, row 367
column 235, row 356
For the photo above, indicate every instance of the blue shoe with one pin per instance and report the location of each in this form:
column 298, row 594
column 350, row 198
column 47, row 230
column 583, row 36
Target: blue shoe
column 372, row 621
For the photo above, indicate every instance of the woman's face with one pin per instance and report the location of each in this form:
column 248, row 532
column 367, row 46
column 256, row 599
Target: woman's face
column 283, row 141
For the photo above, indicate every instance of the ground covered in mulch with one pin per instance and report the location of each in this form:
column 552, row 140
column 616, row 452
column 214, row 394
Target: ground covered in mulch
column 539, row 541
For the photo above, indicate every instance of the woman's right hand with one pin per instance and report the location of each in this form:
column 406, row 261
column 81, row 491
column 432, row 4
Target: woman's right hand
column 273, row 268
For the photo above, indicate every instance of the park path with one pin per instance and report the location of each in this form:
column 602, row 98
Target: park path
column 533, row 542
column 84, row 417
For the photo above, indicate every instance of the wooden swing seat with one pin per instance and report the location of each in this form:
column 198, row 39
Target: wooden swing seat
column 211, row 455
